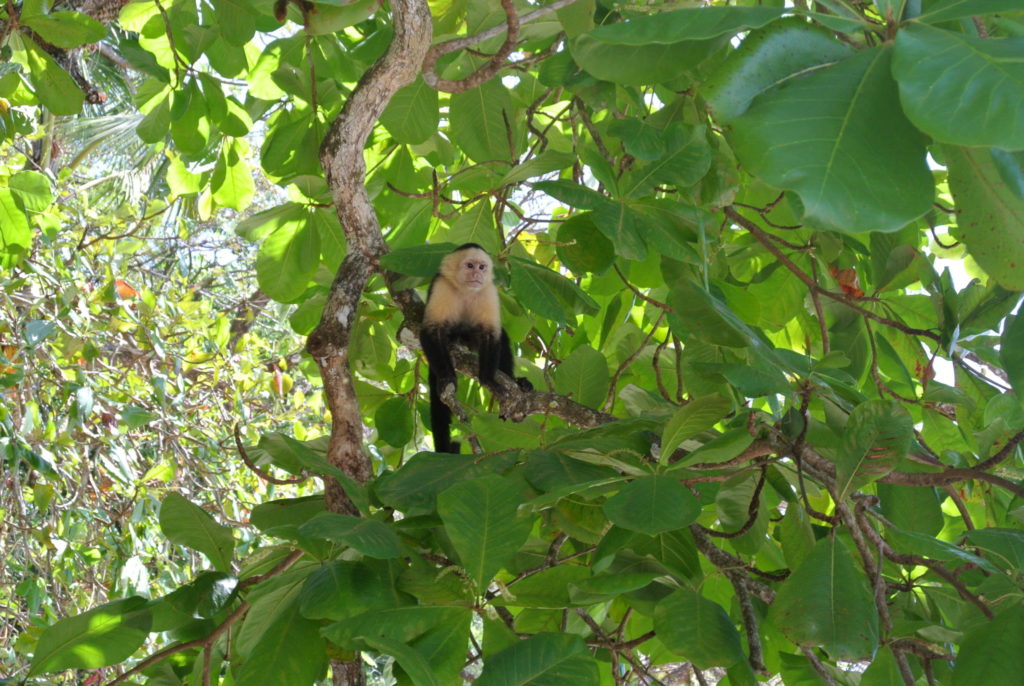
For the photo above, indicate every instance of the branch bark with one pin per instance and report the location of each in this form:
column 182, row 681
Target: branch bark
column 341, row 156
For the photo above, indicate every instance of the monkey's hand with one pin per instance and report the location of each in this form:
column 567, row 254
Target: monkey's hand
column 524, row 383
column 448, row 398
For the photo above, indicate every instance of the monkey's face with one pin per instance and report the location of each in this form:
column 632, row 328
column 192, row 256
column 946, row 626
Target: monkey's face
column 474, row 269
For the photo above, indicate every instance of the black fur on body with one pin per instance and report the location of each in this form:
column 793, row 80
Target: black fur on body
column 463, row 307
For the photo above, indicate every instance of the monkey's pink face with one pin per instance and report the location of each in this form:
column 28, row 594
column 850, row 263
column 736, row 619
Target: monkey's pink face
column 474, row 272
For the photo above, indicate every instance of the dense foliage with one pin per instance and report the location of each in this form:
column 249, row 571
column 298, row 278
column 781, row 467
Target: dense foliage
column 760, row 263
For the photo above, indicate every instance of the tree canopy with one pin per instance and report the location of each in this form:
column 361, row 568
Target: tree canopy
column 760, row 261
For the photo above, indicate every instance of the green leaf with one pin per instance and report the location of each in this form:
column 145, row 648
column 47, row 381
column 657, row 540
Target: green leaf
column 700, row 314
column 624, row 226
column 686, row 24
column 581, row 246
column 990, row 217
column 947, row 10
column 422, row 260
column 403, row 624
column 290, row 651
column 476, row 225
column 66, row 29
column 686, row 161
column 343, row 589
column 583, row 376
column 412, row 114
column 547, row 292
column 1011, row 352
column 836, row 137
column 289, row 511
column 1004, row 547
column 15, row 234
column 154, row 126
column 235, row 21
column 786, row 49
column 983, row 77
column 698, row 415
column 571, row 193
column 186, row 524
column 911, row 507
column 542, row 660
column 544, row 163
column 412, row 663
column 993, row 652
column 720, row 449
column 53, row 86
column 837, row 614
column 232, row 183
column 105, row 635
column 480, row 519
column 877, row 436
column 368, row 536
column 32, row 190
column 707, row 637
column 393, row 420
column 287, row 259
column 653, row 505
column 639, row 64
column 483, row 123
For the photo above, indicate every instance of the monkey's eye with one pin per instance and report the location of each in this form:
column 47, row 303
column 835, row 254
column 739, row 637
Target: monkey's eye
column 483, row 266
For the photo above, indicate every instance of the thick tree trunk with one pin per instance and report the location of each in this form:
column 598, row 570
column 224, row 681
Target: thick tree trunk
column 342, row 158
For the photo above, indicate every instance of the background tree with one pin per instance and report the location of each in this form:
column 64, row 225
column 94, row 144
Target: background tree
column 775, row 432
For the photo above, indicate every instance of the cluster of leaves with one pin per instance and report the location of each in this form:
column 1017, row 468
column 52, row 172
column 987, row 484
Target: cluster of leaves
column 718, row 225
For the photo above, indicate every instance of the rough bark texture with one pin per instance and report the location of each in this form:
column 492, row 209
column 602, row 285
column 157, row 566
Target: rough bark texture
column 342, row 158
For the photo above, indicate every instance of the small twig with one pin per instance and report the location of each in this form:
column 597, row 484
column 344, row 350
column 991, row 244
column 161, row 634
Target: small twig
column 258, row 471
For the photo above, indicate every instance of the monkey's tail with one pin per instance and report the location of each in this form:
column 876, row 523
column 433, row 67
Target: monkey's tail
column 440, row 419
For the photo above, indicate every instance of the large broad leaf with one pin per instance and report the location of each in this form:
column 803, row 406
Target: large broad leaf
column 993, row 652
column 962, row 89
column 480, row 518
column 838, row 138
column 697, row 629
column 685, row 159
column 368, row 536
column 192, row 526
column 1011, row 352
column 692, row 24
column 412, row 115
column 698, row 415
column 583, row 376
column 15, row 234
column 547, row 292
column 53, row 86
column 542, row 660
column 785, row 49
column 877, row 436
column 990, row 217
column 343, row 589
column 700, row 314
column 412, row 662
column 652, row 505
column 945, row 10
column 232, row 183
column 287, row 259
column 1004, row 547
column 402, row 624
column 102, row 636
column 290, row 651
column 485, row 125
column 639, row 64
column 66, row 29
column 826, row 602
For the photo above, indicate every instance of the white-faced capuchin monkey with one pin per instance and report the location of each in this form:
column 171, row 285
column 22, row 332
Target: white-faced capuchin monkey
column 462, row 307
